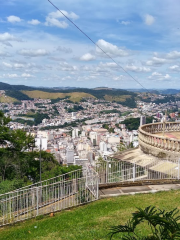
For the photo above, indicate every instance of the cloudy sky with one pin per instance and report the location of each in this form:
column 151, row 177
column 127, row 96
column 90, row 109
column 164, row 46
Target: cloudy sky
column 39, row 47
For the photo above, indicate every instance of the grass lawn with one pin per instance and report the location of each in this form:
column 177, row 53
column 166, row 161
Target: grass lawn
column 91, row 221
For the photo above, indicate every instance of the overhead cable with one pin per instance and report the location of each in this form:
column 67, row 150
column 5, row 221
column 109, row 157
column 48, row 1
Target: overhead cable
column 98, row 46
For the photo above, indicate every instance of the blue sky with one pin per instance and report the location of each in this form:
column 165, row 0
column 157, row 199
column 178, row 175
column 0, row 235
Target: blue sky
column 39, row 47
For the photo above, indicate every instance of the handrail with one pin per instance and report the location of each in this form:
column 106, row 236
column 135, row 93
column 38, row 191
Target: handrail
column 61, row 178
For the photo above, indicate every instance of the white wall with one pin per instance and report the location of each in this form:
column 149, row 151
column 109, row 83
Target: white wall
column 43, row 143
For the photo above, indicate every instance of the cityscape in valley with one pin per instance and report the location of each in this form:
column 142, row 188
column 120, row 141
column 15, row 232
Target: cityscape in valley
column 88, row 128
column 89, row 119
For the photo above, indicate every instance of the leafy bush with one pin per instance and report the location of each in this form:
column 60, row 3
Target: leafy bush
column 164, row 225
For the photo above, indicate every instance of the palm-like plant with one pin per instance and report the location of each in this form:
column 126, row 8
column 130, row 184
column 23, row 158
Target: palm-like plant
column 164, row 225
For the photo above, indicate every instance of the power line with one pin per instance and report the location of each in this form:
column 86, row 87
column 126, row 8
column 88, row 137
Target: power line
column 98, row 46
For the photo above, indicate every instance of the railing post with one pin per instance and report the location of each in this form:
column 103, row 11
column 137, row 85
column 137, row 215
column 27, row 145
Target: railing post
column 97, row 180
column 134, row 172
column 37, row 201
column 86, row 176
column 107, row 172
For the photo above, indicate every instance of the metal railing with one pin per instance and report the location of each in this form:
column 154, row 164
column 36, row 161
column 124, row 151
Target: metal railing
column 79, row 187
column 61, row 178
column 42, row 199
column 121, row 171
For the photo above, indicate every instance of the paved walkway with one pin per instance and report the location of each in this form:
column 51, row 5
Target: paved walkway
column 119, row 191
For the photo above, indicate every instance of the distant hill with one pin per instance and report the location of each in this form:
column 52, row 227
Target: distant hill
column 18, row 95
column 22, row 92
column 121, row 96
column 169, row 91
column 102, row 88
column 6, row 86
column 157, row 91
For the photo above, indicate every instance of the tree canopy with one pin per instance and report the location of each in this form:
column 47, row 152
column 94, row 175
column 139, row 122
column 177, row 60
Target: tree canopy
column 19, row 163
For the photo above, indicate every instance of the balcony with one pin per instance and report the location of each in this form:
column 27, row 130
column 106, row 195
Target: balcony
column 161, row 140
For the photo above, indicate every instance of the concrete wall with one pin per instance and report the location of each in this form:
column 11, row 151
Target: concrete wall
column 157, row 152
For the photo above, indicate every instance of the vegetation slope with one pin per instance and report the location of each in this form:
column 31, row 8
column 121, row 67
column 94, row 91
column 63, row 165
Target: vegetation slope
column 7, row 99
column 113, row 95
column 21, row 92
column 73, row 96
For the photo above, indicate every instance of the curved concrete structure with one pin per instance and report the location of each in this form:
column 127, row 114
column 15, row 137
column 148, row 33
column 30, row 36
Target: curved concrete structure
column 165, row 145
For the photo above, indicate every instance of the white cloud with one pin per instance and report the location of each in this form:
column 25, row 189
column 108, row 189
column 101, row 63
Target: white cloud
column 19, row 65
column 175, row 68
column 167, row 76
column 159, row 76
column 111, row 49
column 55, row 22
column 58, row 59
column 160, row 59
column 58, row 14
column 14, row 75
column 87, row 57
column 173, row 55
column 149, row 19
column 9, row 75
column 125, row 23
column 108, row 65
column 156, row 74
column 134, row 68
column 66, row 78
column 7, row 64
column 53, row 18
column 16, row 66
column 4, row 54
column 34, row 22
column 33, row 53
column 64, row 49
column 102, row 68
column 156, row 61
column 27, row 75
column 119, row 78
column 6, row 38
column 13, row 19
column 64, row 66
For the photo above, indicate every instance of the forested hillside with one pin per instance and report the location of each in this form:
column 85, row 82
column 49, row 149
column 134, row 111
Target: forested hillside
column 21, row 92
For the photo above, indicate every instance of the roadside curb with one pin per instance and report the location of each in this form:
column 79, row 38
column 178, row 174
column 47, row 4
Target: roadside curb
column 133, row 193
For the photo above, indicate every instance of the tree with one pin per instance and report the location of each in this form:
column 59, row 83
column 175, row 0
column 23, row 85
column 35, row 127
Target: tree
column 163, row 224
column 100, row 160
column 4, row 130
column 19, row 165
column 20, row 141
column 121, row 147
column 17, row 158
